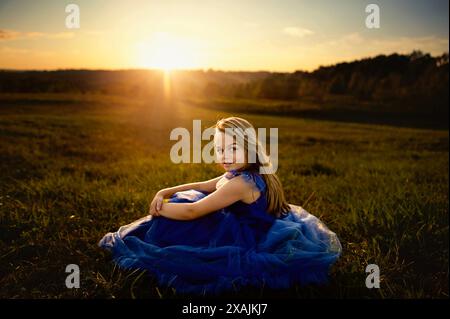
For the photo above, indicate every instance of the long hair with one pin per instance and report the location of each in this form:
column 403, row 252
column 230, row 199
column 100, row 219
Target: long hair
column 276, row 200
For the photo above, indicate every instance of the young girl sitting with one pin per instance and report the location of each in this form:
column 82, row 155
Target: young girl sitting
column 233, row 231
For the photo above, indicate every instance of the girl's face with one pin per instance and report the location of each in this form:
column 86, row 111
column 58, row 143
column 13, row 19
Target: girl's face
column 228, row 153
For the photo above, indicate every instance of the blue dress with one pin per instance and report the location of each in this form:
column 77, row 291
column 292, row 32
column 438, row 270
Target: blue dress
column 237, row 246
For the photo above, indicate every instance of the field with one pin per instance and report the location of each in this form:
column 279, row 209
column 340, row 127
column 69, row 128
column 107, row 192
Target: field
column 74, row 167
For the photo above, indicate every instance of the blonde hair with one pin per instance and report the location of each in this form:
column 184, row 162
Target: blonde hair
column 276, row 201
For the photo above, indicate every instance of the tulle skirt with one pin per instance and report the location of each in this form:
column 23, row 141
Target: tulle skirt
column 220, row 253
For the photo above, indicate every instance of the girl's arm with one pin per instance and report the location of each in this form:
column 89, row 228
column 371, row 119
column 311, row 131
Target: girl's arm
column 205, row 186
column 236, row 189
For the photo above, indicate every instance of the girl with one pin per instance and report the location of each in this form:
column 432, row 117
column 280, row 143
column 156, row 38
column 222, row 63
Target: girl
column 232, row 231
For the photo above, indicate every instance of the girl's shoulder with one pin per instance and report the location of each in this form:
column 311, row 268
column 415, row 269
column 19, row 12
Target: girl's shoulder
column 252, row 177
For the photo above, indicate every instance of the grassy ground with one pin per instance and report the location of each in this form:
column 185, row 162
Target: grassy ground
column 76, row 167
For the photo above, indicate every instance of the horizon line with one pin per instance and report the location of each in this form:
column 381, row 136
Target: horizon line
column 212, row 69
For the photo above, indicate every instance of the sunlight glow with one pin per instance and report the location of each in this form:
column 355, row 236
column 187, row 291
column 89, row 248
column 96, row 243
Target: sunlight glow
column 167, row 84
column 166, row 52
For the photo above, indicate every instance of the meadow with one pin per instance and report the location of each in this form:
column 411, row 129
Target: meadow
column 76, row 166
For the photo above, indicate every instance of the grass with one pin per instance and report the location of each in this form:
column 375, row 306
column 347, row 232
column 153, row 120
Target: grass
column 74, row 167
column 334, row 108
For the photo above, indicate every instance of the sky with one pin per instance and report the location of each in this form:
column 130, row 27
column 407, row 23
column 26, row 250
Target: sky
column 244, row 35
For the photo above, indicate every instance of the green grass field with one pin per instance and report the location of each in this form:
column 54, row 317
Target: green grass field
column 74, row 167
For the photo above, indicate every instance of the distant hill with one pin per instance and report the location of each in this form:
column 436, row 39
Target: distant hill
column 133, row 82
column 416, row 81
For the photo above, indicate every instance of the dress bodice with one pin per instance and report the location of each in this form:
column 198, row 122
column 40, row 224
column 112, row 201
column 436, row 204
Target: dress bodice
column 254, row 213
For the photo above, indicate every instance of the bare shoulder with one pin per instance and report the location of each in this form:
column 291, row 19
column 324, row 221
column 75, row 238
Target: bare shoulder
column 237, row 184
column 250, row 193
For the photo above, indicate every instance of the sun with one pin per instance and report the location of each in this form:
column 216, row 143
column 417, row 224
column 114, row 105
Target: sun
column 166, row 52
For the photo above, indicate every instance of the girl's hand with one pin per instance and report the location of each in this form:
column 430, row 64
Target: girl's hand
column 156, row 204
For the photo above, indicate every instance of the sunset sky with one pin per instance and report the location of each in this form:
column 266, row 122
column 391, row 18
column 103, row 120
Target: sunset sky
column 283, row 35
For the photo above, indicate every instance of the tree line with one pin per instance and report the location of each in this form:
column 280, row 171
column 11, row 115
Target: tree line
column 418, row 79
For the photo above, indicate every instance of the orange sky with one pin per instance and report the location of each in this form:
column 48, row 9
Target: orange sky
column 231, row 35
